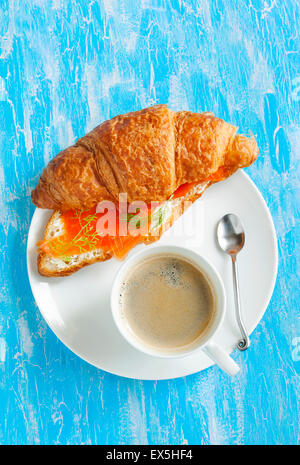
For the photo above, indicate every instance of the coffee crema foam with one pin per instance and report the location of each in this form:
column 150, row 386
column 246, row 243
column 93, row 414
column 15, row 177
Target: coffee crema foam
column 167, row 301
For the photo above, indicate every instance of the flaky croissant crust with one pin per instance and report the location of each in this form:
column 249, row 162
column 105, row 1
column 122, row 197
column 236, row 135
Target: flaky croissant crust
column 148, row 154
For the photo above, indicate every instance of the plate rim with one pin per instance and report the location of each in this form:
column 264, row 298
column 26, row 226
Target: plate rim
column 260, row 314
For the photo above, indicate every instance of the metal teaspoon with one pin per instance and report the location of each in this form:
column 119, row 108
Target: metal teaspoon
column 231, row 238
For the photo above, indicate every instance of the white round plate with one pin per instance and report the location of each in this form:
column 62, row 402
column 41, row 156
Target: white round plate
column 77, row 307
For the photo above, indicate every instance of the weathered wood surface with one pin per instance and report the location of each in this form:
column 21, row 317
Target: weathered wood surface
column 65, row 67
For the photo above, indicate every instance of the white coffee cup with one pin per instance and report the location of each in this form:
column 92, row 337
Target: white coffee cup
column 204, row 342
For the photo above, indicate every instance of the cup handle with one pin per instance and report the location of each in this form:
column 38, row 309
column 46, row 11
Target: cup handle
column 221, row 358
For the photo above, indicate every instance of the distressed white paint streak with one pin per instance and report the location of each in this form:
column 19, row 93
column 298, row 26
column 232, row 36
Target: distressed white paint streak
column 177, row 98
column 57, row 4
column 93, row 93
column 268, row 8
column 261, row 78
column 6, row 40
column 69, row 133
column 2, row 350
column 47, row 152
column 7, row 220
column 111, row 7
column 152, row 84
column 130, row 41
column 137, row 418
column 2, row 90
column 110, row 80
column 27, row 129
column 64, row 132
column 1, row 176
column 25, row 336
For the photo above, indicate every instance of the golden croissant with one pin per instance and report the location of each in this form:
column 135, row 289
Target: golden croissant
column 149, row 155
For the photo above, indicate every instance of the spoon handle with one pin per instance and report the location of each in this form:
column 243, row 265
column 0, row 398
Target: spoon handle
column 243, row 343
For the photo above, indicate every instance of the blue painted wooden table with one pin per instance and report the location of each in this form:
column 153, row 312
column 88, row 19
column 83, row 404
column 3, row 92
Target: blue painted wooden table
column 65, row 67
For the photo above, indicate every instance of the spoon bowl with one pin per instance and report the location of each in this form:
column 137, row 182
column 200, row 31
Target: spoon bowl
column 231, row 235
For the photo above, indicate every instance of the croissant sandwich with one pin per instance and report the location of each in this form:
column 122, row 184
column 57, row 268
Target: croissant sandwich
column 156, row 160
